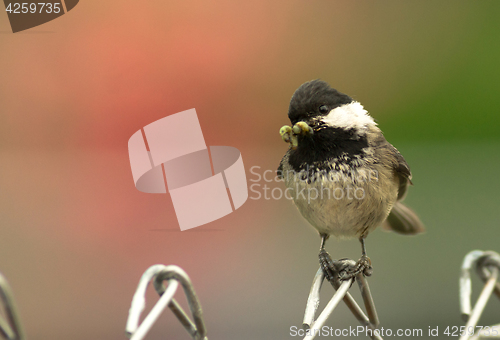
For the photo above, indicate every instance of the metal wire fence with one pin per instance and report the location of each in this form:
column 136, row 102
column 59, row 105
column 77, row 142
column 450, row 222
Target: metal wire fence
column 485, row 263
column 11, row 328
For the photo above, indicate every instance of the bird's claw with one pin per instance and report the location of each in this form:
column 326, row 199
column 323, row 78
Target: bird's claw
column 335, row 271
column 343, row 269
column 327, row 265
column 364, row 266
column 290, row 135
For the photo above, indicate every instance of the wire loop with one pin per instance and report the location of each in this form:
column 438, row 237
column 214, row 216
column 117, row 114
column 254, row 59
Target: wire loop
column 487, row 265
column 342, row 293
column 173, row 275
column 11, row 328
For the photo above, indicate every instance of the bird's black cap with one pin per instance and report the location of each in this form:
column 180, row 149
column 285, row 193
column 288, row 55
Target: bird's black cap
column 308, row 98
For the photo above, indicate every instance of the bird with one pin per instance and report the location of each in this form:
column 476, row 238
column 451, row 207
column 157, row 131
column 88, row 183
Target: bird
column 344, row 177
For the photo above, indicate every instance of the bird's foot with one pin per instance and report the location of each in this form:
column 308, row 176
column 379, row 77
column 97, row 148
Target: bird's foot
column 327, row 265
column 290, row 135
column 335, row 270
column 364, row 265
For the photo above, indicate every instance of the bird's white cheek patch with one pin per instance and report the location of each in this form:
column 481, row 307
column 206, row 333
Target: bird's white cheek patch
column 349, row 116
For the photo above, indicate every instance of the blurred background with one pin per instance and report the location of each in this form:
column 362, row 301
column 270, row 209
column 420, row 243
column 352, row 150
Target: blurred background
column 75, row 234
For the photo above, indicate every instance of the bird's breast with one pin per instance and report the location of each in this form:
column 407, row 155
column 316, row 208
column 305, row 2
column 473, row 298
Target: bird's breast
column 344, row 202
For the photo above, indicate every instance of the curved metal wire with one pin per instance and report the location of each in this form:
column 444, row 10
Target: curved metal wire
column 196, row 330
column 370, row 322
column 11, row 328
column 487, row 265
column 174, row 275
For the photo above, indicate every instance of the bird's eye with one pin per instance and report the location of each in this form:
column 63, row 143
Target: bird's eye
column 323, row 109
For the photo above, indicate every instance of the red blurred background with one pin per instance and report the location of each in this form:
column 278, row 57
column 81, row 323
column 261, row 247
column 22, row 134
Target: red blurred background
column 75, row 233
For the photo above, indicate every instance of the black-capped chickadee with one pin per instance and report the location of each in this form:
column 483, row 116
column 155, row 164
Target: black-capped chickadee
column 343, row 175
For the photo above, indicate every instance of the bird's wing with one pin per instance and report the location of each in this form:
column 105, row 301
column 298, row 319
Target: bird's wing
column 402, row 219
column 402, row 170
column 390, row 155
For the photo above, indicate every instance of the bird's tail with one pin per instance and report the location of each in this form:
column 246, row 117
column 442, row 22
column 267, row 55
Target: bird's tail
column 403, row 220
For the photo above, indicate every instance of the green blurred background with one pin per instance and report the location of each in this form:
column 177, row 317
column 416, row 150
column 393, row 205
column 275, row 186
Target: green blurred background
column 75, row 234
